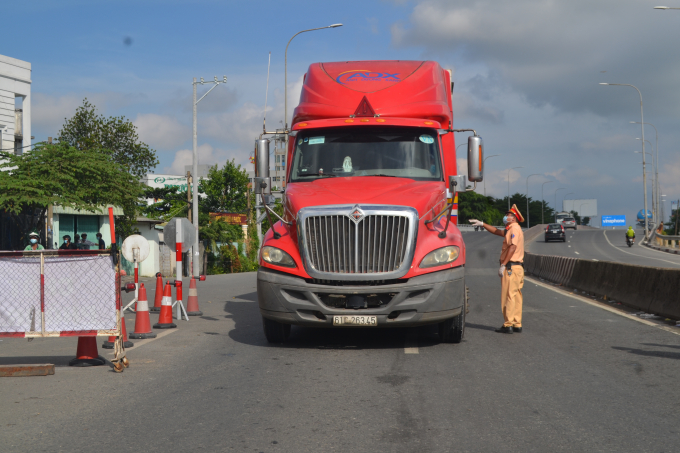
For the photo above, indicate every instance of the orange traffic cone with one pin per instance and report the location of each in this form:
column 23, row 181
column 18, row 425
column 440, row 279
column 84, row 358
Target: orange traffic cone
column 142, row 323
column 192, row 303
column 126, row 343
column 165, row 318
column 87, row 353
column 159, row 293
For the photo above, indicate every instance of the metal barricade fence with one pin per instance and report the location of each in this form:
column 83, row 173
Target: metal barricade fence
column 59, row 293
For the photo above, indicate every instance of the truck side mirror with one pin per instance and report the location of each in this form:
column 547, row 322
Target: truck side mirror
column 475, row 158
column 457, row 183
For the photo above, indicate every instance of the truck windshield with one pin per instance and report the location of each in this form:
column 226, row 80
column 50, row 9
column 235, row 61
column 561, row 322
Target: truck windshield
column 405, row 152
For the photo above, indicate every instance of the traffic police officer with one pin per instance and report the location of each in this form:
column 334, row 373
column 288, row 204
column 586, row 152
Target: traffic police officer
column 511, row 270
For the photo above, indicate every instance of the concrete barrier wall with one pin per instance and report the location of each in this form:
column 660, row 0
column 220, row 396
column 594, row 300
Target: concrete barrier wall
column 651, row 289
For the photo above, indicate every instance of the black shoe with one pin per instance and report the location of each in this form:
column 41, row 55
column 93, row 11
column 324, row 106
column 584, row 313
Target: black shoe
column 504, row 329
column 517, row 329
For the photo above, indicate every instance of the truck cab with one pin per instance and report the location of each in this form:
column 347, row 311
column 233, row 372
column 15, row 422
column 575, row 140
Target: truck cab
column 369, row 234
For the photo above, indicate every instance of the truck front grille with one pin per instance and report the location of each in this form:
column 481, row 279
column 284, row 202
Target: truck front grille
column 373, row 245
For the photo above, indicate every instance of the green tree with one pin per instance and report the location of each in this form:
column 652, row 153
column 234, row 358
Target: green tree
column 225, row 189
column 61, row 174
column 472, row 205
column 168, row 203
column 536, row 207
column 113, row 136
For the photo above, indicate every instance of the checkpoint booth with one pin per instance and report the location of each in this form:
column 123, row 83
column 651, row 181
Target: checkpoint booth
column 63, row 293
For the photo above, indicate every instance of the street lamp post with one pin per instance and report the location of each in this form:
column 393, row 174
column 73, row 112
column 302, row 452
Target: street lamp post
column 285, row 76
column 543, row 200
column 535, row 174
column 642, row 126
column 561, row 188
column 487, row 157
column 654, row 213
column 657, row 186
column 509, row 185
column 194, row 172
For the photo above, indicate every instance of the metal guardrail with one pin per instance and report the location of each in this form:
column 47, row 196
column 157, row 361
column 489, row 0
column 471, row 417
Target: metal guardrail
column 666, row 241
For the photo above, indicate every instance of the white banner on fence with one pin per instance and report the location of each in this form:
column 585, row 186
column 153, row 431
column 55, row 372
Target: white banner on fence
column 80, row 294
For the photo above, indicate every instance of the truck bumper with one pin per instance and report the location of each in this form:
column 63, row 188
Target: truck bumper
column 426, row 299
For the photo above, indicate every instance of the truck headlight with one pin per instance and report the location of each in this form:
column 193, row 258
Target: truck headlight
column 440, row 256
column 276, row 256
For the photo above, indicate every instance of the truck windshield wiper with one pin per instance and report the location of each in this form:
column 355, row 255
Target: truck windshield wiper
column 381, row 174
column 330, row 175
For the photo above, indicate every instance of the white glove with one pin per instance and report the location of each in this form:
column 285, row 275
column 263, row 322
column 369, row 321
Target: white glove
column 501, row 271
column 476, row 222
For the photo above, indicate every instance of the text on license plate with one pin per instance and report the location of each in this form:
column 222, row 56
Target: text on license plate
column 355, row 320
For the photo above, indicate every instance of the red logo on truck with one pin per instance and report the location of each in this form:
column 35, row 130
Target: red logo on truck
column 365, row 75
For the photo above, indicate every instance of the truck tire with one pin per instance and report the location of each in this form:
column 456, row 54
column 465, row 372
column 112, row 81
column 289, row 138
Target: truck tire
column 275, row 332
column 453, row 329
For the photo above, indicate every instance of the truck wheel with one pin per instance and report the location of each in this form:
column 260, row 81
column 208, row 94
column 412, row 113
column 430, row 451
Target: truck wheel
column 452, row 330
column 275, row 332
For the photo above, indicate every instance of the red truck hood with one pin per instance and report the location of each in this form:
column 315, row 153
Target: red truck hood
column 421, row 195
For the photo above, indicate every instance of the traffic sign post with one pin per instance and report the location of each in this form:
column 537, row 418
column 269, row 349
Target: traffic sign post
column 177, row 232
column 136, row 249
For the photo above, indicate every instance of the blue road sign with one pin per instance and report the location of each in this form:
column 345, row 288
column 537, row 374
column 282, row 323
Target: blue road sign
column 613, row 220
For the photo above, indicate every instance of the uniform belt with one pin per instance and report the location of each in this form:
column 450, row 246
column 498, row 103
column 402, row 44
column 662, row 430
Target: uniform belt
column 515, row 263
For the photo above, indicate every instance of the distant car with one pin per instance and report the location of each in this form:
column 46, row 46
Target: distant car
column 554, row 231
column 569, row 222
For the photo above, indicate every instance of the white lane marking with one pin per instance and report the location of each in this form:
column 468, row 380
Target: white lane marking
column 411, row 346
column 634, row 254
column 139, row 343
column 605, row 307
column 569, row 246
column 577, row 252
column 595, row 259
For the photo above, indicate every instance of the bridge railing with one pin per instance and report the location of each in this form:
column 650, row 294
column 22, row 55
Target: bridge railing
column 661, row 240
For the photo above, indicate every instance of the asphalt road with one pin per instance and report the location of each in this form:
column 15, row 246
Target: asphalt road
column 578, row 378
column 604, row 245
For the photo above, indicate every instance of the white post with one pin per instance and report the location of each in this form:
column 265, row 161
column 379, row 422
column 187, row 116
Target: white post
column 178, row 259
column 195, row 268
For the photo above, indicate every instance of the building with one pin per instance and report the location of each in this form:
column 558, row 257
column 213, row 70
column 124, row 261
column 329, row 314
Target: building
column 72, row 221
column 15, row 104
column 15, row 129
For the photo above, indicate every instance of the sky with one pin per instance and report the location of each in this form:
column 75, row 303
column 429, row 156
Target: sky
column 526, row 75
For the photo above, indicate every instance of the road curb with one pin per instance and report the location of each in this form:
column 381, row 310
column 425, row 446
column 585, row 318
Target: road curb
column 662, row 249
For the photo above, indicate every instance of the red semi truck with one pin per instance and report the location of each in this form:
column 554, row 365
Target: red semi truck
column 369, row 235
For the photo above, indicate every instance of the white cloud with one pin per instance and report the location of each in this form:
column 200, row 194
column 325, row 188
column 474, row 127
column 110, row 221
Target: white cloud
column 206, row 155
column 161, row 132
column 554, row 52
column 49, row 112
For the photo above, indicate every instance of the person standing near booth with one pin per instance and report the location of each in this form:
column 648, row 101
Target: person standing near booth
column 511, row 269
column 34, row 239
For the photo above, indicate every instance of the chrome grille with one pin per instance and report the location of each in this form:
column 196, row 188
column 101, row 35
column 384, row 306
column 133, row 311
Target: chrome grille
column 378, row 243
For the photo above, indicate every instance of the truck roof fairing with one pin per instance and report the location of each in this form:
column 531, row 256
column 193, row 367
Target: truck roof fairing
column 394, row 88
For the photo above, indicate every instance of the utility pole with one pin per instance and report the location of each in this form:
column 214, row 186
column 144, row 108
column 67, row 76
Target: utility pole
column 189, row 195
column 49, row 233
column 215, row 83
column 677, row 209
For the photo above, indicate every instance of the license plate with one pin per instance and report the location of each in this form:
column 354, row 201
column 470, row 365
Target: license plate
column 555, row 231
column 355, row 320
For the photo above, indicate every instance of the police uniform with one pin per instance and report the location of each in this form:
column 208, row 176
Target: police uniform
column 512, row 280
